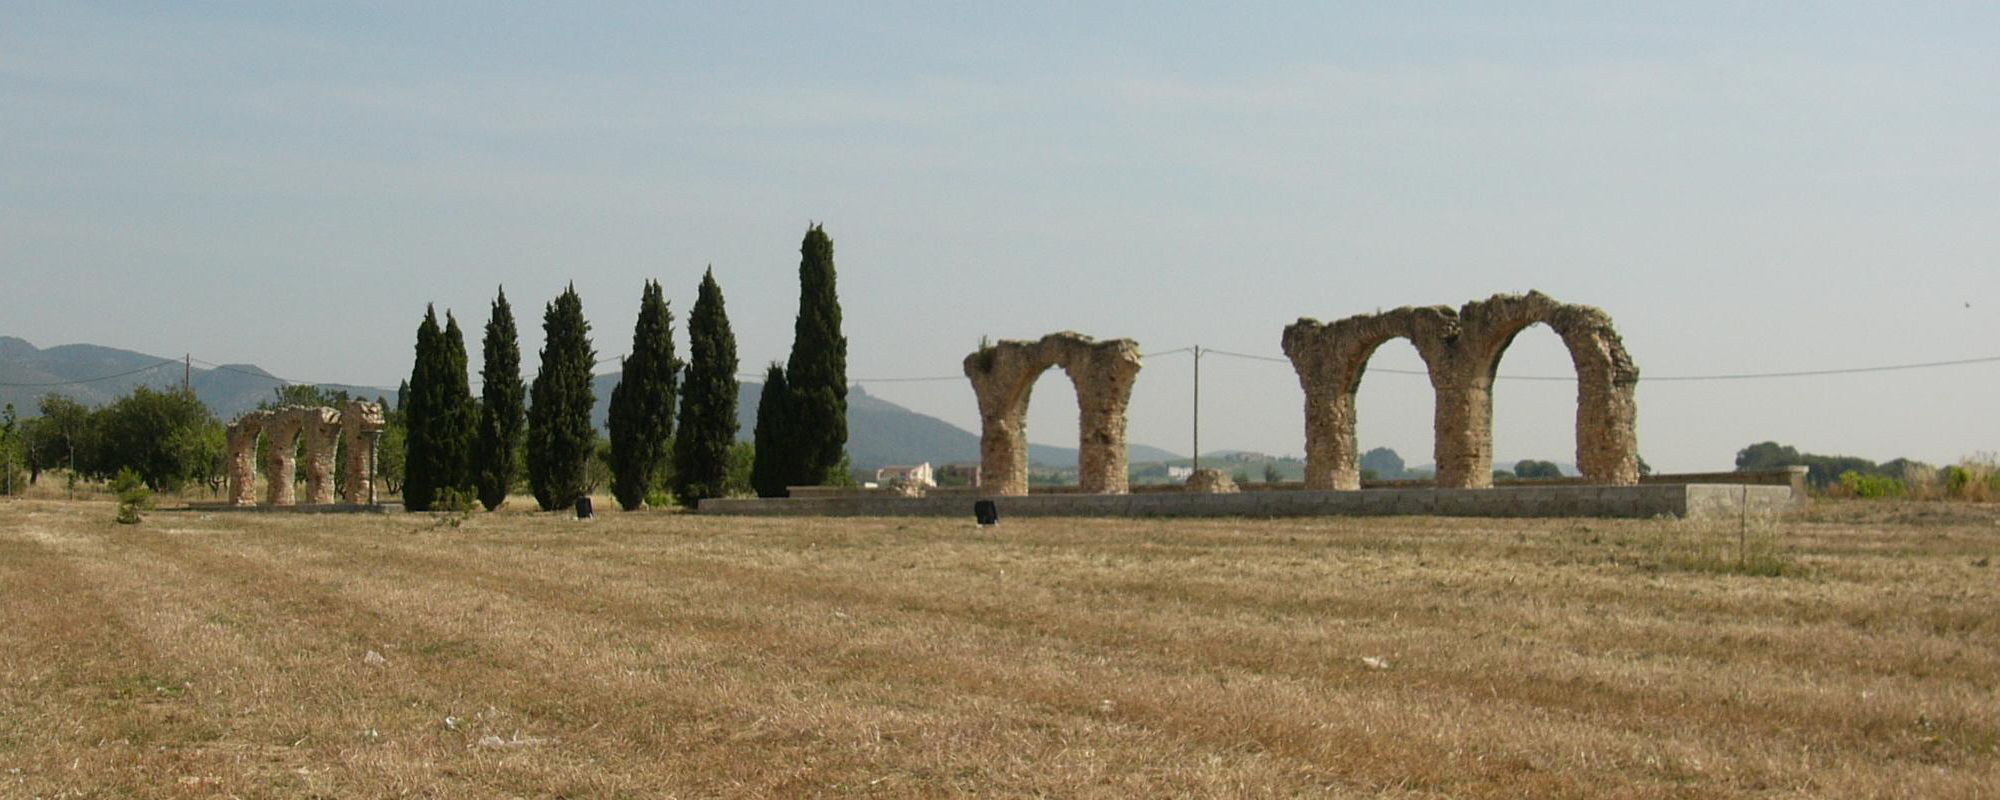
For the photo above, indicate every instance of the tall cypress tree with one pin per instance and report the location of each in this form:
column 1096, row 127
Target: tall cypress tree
column 708, row 399
column 642, row 404
column 458, row 416
column 817, row 371
column 560, row 439
column 422, row 473
column 503, row 402
column 771, row 467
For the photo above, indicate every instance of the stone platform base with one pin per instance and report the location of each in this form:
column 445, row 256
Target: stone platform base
column 326, row 508
column 1688, row 501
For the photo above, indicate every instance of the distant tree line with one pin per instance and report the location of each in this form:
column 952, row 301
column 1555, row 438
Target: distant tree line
column 443, row 448
column 456, row 447
column 1822, row 471
column 166, row 437
column 1898, row 477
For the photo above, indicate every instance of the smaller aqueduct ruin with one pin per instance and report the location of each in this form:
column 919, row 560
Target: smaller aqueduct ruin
column 358, row 423
column 1461, row 350
column 1003, row 374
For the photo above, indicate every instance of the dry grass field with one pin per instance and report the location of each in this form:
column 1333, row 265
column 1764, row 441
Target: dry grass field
column 1852, row 650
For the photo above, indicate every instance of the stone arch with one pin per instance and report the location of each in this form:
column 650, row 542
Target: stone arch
column 1330, row 359
column 1461, row 351
column 1004, row 374
column 1607, row 448
column 322, row 430
column 361, row 423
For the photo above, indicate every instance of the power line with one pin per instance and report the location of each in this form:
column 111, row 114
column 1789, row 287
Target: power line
column 90, row 380
column 1845, row 371
column 1731, row 376
column 901, row 381
column 1727, row 376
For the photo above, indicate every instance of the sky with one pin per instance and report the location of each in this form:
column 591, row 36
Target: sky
column 1743, row 187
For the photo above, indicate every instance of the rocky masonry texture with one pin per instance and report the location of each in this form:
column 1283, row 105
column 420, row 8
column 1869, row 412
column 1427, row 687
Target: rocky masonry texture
column 1211, row 481
column 319, row 428
column 281, row 434
column 242, row 436
column 360, row 423
column 1003, row 375
column 322, row 430
column 1461, row 350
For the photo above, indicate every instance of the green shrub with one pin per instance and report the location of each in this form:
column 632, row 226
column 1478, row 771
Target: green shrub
column 454, row 500
column 659, row 498
column 131, row 489
column 1872, row 487
column 1976, row 479
column 133, row 495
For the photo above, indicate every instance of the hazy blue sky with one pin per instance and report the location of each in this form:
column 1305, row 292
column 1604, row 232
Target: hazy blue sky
column 1745, row 187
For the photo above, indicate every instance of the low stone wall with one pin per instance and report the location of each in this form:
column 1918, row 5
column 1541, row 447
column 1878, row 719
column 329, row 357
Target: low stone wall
column 1686, row 500
column 298, row 508
column 840, row 491
column 1794, row 477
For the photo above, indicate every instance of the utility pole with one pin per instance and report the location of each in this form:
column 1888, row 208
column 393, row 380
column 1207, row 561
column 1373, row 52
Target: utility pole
column 1197, row 409
column 374, row 446
column 187, row 373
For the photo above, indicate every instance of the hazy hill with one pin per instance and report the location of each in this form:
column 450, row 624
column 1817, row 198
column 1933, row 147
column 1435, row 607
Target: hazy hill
column 27, row 373
column 879, row 432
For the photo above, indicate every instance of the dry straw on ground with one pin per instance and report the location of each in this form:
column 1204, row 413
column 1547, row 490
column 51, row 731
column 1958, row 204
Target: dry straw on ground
column 1844, row 653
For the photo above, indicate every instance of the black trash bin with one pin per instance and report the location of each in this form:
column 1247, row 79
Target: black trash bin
column 986, row 512
column 583, row 508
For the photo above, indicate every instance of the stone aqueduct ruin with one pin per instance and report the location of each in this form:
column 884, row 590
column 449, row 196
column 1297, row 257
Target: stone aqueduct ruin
column 1003, row 374
column 321, row 429
column 1461, row 349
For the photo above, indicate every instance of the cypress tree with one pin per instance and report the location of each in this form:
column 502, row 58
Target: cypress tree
column 560, row 439
column 458, row 416
column 708, row 399
column 642, row 404
column 421, row 470
column 770, row 467
column 503, row 398
column 817, row 371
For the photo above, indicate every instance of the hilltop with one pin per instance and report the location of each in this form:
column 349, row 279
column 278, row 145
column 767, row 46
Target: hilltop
column 879, row 432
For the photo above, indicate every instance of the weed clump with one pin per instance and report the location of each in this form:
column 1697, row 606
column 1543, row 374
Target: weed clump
column 454, row 500
column 133, row 496
column 1751, row 548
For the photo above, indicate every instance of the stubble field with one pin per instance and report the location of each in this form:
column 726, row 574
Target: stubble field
column 1852, row 650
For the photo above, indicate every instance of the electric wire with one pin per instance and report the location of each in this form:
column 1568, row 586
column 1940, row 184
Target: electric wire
column 31, row 385
column 1726, row 376
column 1729, row 376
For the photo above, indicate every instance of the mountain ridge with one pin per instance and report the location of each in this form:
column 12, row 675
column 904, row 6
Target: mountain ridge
column 879, row 432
